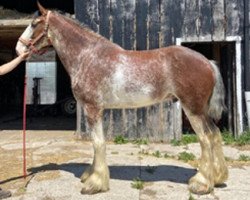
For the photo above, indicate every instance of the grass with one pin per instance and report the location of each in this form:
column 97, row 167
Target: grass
column 120, row 139
column 229, row 139
column 141, row 141
column 244, row 158
column 186, row 139
column 191, row 197
column 137, row 183
column 157, row 154
column 185, row 156
column 166, row 155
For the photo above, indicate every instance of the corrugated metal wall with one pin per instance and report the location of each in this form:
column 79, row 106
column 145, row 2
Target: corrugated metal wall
column 147, row 24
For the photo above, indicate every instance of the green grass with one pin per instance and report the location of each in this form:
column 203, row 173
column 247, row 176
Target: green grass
column 229, row 139
column 157, row 154
column 244, row 158
column 137, row 184
column 191, row 197
column 141, row 141
column 166, row 155
column 186, row 156
column 186, row 139
column 120, row 139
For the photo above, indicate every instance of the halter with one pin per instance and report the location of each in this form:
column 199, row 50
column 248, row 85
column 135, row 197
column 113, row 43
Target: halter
column 30, row 44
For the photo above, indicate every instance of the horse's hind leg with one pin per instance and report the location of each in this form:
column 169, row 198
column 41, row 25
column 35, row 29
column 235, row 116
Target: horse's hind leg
column 203, row 181
column 96, row 178
column 219, row 166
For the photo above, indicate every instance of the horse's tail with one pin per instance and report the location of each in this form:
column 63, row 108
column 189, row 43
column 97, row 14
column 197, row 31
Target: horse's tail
column 217, row 100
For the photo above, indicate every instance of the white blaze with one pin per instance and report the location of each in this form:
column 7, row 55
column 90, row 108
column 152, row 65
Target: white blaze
column 20, row 47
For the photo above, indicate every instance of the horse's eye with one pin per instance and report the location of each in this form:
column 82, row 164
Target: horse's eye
column 33, row 25
column 35, row 22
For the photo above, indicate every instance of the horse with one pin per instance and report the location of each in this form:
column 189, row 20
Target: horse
column 105, row 76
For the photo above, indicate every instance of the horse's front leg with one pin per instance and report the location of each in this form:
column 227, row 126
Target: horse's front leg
column 96, row 178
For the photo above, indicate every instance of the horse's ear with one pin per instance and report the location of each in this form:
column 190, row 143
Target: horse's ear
column 42, row 10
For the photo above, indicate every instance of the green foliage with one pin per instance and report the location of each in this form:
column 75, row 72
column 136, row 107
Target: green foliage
column 157, row 154
column 186, row 139
column 141, row 141
column 186, row 156
column 137, row 183
column 120, row 139
column 244, row 139
column 167, row 156
column 229, row 139
column 191, row 197
column 244, row 158
column 175, row 142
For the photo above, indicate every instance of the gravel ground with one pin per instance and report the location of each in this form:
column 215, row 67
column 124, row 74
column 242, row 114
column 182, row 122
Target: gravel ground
column 56, row 160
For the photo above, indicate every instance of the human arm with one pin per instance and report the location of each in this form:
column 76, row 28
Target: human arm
column 5, row 68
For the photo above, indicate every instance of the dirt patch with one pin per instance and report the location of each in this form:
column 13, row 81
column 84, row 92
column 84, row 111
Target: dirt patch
column 47, row 175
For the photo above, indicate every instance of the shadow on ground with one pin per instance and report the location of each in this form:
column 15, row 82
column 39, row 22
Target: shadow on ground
column 170, row 173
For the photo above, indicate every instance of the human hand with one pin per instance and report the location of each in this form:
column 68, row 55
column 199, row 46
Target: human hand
column 25, row 55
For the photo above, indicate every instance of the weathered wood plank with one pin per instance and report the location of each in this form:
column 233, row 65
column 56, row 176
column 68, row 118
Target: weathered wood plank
column 154, row 27
column 141, row 24
column 118, row 128
column 141, row 123
column 87, row 12
column 234, row 12
column 104, row 15
column 218, row 20
column 129, row 21
column 131, row 123
column 205, row 20
column 191, row 26
column 166, row 38
column 130, row 115
column 177, row 18
column 108, row 124
column 171, row 22
column 167, row 125
column 154, row 132
column 154, row 24
column 117, row 21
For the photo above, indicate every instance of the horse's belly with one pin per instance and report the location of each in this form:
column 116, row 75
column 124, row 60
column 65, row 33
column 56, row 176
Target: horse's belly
column 128, row 100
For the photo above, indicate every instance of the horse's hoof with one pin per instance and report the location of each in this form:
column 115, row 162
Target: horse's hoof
column 96, row 183
column 200, row 186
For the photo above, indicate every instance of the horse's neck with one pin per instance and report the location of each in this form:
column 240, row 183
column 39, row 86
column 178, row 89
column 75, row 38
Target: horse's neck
column 71, row 42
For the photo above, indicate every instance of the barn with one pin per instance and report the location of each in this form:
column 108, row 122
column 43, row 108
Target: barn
column 219, row 29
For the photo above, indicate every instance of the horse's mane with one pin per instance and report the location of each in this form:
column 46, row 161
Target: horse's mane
column 75, row 21
column 80, row 25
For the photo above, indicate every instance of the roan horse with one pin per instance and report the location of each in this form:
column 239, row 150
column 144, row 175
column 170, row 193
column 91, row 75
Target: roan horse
column 104, row 75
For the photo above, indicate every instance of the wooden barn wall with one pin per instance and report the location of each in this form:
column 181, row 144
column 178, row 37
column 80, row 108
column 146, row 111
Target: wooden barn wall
column 149, row 24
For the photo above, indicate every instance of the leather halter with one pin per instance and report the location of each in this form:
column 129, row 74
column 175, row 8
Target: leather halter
column 30, row 44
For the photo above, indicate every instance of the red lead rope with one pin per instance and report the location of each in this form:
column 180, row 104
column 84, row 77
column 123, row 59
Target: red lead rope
column 24, row 127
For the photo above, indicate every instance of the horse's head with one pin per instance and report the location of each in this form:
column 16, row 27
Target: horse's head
column 36, row 36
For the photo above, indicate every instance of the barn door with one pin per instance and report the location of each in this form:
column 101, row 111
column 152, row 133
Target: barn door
column 229, row 76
